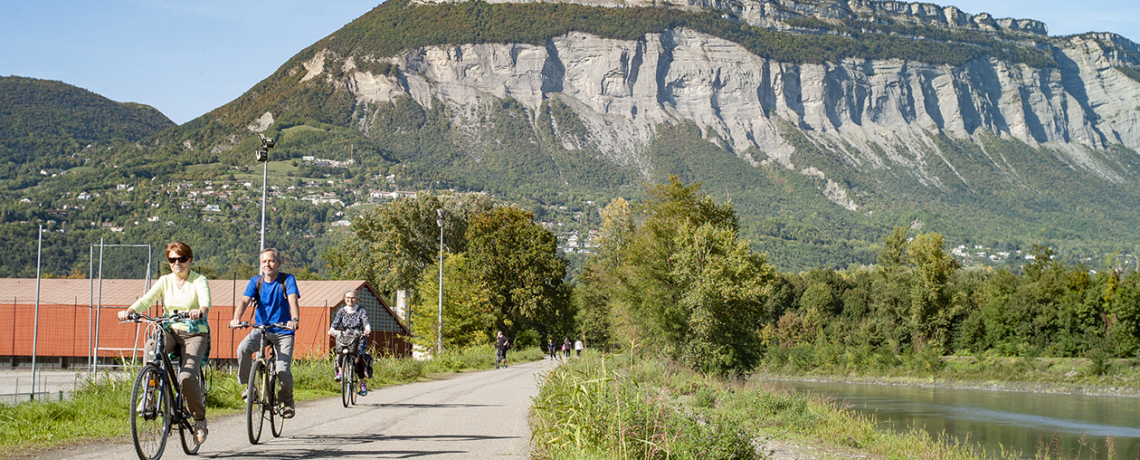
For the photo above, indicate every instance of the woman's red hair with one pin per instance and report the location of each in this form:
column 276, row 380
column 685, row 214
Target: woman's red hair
column 180, row 248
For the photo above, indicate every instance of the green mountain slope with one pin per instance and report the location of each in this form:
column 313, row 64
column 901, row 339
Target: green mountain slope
column 44, row 123
column 545, row 158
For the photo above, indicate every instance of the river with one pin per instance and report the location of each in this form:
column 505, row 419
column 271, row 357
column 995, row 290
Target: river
column 993, row 419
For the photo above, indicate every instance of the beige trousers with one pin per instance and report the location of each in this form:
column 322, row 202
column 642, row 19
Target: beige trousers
column 193, row 350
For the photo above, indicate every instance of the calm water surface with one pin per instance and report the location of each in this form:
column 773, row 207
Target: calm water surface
column 994, row 419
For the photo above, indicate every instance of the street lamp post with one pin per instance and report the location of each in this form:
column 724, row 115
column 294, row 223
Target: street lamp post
column 439, row 331
column 263, row 157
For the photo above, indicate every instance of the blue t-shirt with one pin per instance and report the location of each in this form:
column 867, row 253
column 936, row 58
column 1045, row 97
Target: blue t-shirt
column 272, row 307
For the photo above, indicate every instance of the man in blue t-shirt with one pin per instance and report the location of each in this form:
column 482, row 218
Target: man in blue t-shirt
column 275, row 294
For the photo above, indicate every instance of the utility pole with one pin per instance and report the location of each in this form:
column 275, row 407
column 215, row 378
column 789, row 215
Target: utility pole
column 262, row 155
column 36, row 326
column 439, row 331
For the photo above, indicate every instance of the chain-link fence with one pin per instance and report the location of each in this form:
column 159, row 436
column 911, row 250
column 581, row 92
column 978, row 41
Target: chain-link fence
column 64, row 323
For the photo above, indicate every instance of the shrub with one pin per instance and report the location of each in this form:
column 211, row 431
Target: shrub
column 1098, row 362
column 802, row 357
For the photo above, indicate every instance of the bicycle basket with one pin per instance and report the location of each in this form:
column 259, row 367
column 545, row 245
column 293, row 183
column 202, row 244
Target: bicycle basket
column 349, row 339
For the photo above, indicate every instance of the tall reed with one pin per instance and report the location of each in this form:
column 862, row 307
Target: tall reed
column 620, row 406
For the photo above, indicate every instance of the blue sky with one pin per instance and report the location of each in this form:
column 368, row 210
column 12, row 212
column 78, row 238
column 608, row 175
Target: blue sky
column 187, row 57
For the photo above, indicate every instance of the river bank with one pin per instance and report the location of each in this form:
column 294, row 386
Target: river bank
column 927, row 382
column 624, row 406
column 1032, row 422
column 927, row 393
column 1075, row 376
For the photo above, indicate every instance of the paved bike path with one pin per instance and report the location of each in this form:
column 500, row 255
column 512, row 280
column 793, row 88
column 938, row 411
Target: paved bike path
column 477, row 415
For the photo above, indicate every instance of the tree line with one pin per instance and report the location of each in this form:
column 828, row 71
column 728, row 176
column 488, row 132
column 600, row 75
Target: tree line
column 501, row 270
column 673, row 276
column 396, row 26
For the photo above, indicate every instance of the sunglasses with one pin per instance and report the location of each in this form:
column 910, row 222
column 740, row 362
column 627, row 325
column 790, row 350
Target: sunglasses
column 180, row 260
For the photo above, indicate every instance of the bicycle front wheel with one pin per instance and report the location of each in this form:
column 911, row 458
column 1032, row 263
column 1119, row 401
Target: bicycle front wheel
column 150, row 413
column 346, row 381
column 355, row 385
column 276, row 421
column 255, row 401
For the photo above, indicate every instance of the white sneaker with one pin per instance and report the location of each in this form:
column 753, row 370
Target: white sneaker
column 147, row 404
column 200, row 431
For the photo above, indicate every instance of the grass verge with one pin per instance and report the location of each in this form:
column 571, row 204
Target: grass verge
column 98, row 409
column 623, row 407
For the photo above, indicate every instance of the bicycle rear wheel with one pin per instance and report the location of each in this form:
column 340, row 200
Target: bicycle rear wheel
column 276, row 421
column 255, row 401
column 190, row 444
column 206, row 376
column 150, row 426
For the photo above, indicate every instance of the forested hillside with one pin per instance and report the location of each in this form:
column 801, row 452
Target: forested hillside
column 74, row 162
column 44, row 124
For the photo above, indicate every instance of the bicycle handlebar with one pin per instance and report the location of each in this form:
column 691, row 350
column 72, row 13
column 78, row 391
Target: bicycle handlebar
column 351, row 330
column 139, row 318
column 245, row 324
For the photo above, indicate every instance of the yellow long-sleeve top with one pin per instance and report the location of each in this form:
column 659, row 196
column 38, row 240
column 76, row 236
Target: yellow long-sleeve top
column 195, row 294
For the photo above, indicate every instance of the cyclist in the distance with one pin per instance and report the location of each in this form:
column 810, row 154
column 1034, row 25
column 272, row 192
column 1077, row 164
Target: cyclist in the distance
column 352, row 317
column 502, row 344
column 186, row 291
column 276, row 296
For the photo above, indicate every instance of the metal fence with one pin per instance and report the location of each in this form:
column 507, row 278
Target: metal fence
column 50, row 385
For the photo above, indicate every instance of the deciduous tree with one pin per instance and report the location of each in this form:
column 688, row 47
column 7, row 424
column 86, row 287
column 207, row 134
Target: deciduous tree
column 392, row 244
column 468, row 315
column 517, row 260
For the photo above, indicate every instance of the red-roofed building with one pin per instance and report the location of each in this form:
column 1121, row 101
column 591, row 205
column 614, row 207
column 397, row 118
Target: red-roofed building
column 69, row 326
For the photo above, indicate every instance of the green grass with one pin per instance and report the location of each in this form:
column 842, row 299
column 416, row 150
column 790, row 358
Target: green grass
column 624, row 407
column 301, row 129
column 203, row 167
column 98, row 410
column 278, row 173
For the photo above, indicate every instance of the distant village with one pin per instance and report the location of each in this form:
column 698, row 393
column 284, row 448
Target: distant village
column 221, row 200
column 213, row 198
column 977, row 254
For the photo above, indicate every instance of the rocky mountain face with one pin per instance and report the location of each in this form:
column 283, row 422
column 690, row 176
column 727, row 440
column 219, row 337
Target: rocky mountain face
column 877, row 115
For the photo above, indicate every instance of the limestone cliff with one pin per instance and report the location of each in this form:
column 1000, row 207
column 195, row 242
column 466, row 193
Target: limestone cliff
column 876, row 114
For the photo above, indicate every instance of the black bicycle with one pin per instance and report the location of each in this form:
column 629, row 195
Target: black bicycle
column 261, row 395
column 347, row 343
column 157, row 401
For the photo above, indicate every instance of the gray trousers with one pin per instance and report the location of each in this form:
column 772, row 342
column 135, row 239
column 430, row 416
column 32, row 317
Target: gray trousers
column 283, row 345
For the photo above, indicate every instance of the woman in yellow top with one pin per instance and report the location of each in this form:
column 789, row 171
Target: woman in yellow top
column 183, row 291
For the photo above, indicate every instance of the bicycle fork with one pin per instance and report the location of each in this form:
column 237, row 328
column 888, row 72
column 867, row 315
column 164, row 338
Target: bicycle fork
column 268, row 365
column 151, row 398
